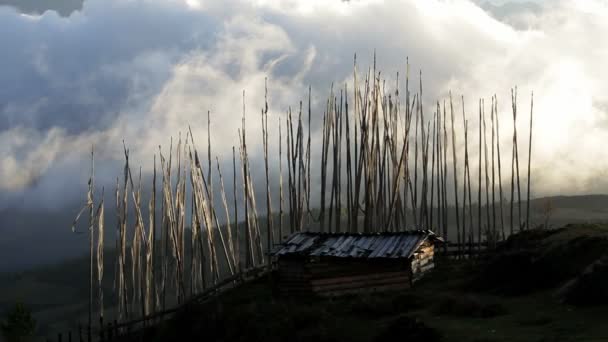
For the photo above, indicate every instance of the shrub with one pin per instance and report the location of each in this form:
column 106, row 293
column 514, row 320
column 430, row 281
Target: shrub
column 18, row 324
column 373, row 306
column 590, row 288
column 383, row 305
column 468, row 306
column 409, row 329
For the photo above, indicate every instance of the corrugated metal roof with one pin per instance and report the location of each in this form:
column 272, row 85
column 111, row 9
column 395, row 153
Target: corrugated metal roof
column 379, row 245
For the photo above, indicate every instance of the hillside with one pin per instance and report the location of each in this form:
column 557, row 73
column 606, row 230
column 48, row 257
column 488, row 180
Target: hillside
column 459, row 301
column 68, row 280
column 48, row 231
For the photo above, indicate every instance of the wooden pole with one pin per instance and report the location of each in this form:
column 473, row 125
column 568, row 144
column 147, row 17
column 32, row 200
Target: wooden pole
column 494, row 231
column 408, row 119
column 91, row 233
column 164, row 225
column 502, row 220
column 349, row 174
column 461, row 238
column 152, row 245
column 529, row 162
column 415, row 192
column 237, row 240
column 479, row 228
column 280, row 183
column 249, row 260
column 466, row 186
column 338, row 171
column 100, row 218
column 517, row 164
column 512, row 171
column 355, row 195
column 228, row 225
column 101, row 330
column 323, row 173
column 210, row 169
column 489, row 237
column 301, row 170
column 289, row 131
column 445, row 174
column 308, row 153
column 435, row 147
column 269, row 229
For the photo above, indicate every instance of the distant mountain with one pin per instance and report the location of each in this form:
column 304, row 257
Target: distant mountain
column 571, row 209
column 37, row 237
column 63, row 7
column 29, row 238
column 57, row 294
column 597, row 203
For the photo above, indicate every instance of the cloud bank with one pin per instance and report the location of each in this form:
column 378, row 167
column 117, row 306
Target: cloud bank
column 143, row 70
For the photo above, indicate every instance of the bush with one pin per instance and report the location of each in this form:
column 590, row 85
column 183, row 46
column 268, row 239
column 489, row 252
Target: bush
column 539, row 260
column 408, row 301
column 373, row 306
column 590, row 288
column 305, row 317
column 468, row 306
column 18, row 324
column 408, row 329
column 383, row 305
column 537, row 321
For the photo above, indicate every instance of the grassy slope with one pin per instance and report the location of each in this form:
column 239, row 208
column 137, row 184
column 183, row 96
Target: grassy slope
column 445, row 301
column 58, row 294
column 252, row 314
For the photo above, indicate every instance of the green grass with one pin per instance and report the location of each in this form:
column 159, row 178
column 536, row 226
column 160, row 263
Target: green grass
column 449, row 300
column 535, row 317
column 253, row 313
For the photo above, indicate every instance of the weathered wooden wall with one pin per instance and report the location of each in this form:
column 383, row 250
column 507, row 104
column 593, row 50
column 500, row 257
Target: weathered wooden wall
column 333, row 277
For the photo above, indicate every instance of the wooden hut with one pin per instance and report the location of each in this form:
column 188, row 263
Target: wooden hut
column 335, row 264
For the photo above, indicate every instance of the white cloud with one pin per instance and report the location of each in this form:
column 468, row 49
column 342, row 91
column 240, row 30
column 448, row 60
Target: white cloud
column 149, row 68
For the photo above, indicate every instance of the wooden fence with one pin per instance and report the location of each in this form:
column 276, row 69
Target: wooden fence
column 109, row 331
column 464, row 250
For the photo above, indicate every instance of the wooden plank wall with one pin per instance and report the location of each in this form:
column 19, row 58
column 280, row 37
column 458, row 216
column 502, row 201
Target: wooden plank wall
column 337, row 277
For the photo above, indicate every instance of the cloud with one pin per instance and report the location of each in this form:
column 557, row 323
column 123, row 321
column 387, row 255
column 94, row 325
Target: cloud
column 35, row 7
column 517, row 14
column 143, row 70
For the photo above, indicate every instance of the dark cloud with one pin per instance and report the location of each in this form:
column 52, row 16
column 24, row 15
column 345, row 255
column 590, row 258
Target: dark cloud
column 36, row 7
column 78, row 72
column 517, row 14
column 144, row 70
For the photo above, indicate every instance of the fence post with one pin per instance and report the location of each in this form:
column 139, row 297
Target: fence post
column 58, row 337
column 80, row 333
column 89, row 337
column 101, row 334
column 116, row 333
column 110, row 331
column 70, row 336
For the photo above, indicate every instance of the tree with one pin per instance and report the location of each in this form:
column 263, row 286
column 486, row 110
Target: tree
column 547, row 211
column 18, row 324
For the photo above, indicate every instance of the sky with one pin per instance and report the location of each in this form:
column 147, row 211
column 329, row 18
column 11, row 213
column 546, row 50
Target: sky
column 103, row 71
